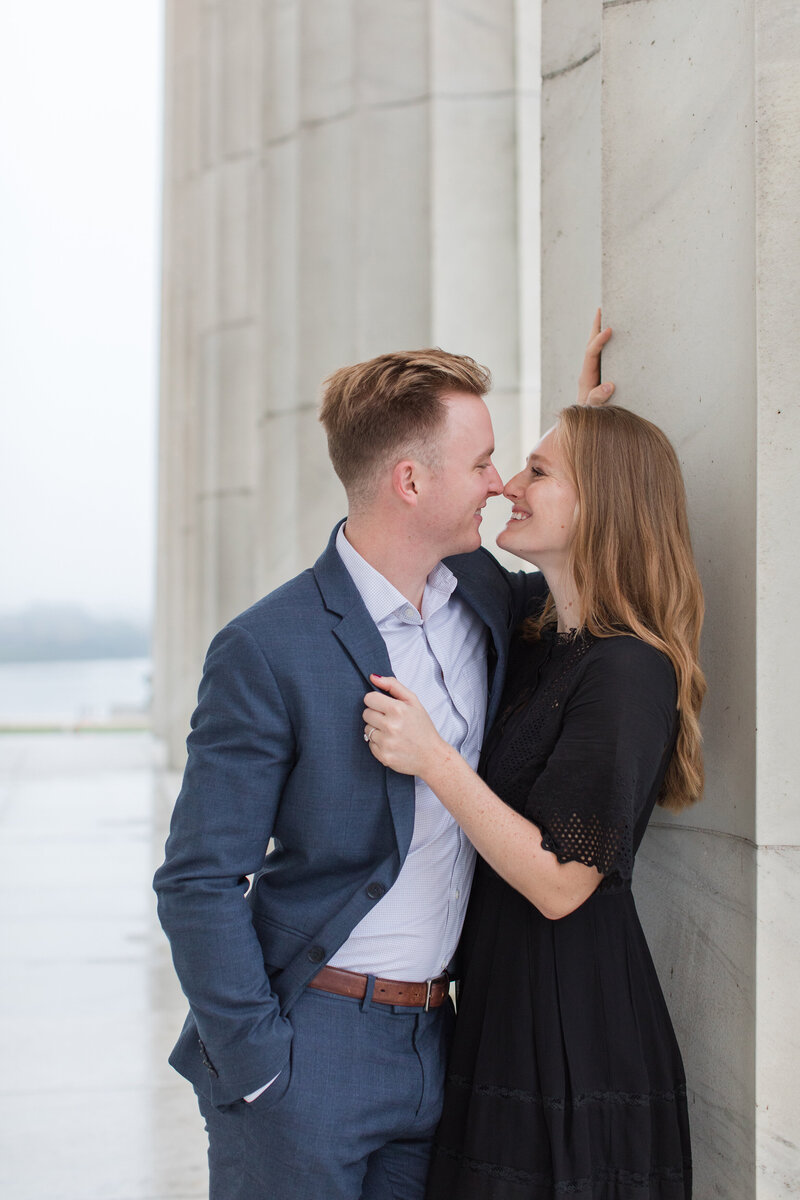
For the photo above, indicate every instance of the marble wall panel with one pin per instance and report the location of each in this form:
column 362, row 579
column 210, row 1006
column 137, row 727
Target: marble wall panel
column 182, row 50
column 504, row 407
column 326, row 258
column 529, row 265
column 509, row 454
column 392, row 215
column 695, row 892
column 204, row 110
column 570, row 35
column 678, row 253
column 778, row 1054
column 280, row 80
column 475, row 283
column 392, row 52
column 240, row 45
column 778, row 349
column 165, row 591
column 570, row 194
column 278, row 267
column 226, row 581
column 238, row 239
column 319, row 498
column 201, row 266
column 472, row 47
column 279, row 498
column 528, row 29
column 327, row 59
column 178, row 543
column 229, row 372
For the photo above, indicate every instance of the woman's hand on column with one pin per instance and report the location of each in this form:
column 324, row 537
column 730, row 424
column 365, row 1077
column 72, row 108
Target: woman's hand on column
column 590, row 389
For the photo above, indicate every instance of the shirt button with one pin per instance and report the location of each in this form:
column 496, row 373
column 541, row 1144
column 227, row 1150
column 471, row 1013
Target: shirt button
column 458, row 893
column 316, row 954
column 375, row 891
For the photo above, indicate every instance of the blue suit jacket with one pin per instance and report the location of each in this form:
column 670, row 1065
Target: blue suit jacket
column 276, row 751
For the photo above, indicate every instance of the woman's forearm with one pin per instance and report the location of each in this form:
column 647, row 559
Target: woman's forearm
column 401, row 735
column 510, row 843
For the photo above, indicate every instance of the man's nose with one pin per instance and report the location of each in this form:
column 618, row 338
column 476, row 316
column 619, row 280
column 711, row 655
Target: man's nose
column 495, row 482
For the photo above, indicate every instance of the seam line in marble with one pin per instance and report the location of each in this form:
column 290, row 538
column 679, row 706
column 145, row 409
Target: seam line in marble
column 234, row 156
column 389, row 105
column 735, row 837
column 619, row 3
column 224, row 493
column 226, row 326
column 287, row 412
column 571, row 66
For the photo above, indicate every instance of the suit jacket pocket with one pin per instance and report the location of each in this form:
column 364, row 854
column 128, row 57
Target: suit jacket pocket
column 279, row 943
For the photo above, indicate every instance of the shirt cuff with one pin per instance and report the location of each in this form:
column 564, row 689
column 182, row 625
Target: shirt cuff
column 254, row 1095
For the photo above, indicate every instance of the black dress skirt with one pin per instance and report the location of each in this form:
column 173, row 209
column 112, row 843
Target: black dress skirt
column 565, row 1077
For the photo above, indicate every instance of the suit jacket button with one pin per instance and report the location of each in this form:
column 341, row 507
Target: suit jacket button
column 375, row 891
column 316, row 954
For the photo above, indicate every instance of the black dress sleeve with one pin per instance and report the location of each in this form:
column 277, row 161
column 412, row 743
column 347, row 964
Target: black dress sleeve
column 608, row 763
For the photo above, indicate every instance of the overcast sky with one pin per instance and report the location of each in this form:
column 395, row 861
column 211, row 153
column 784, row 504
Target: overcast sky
column 80, row 161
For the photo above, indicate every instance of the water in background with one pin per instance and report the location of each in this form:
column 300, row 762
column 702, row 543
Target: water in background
column 107, row 692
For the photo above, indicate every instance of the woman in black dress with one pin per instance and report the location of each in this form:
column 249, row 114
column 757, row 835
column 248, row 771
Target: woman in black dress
column 565, row 1077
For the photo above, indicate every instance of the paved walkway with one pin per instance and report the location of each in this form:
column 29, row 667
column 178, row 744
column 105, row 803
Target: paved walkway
column 89, row 1007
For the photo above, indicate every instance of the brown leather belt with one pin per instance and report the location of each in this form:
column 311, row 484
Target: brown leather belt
column 426, row 995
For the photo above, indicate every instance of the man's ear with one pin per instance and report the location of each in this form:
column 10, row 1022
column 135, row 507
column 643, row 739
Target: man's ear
column 405, row 478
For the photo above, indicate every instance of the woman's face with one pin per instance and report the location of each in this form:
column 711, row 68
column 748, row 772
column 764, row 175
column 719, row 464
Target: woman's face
column 545, row 508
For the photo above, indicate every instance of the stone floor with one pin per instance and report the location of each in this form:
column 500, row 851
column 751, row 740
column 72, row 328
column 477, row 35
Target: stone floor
column 89, row 1007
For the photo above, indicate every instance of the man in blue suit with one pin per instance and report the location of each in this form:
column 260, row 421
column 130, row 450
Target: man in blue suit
column 320, row 1017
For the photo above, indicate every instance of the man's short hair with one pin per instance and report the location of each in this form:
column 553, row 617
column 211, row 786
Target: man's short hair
column 391, row 408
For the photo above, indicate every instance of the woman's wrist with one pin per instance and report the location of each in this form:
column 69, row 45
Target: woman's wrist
column 438, row 765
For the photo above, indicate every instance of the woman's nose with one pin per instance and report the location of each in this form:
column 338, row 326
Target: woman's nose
column 511, row 490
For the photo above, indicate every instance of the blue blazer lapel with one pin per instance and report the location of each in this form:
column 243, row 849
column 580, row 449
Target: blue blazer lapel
column 359, row 636
column 356, row 630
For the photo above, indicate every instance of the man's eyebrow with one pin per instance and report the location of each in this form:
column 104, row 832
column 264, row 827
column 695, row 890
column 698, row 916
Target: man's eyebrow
column 486, row 454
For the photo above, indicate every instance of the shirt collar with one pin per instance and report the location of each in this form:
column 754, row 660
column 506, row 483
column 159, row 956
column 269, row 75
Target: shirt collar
column 382, row 599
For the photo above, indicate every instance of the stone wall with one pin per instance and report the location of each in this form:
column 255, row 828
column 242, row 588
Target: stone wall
column 670, row 173
column 344, row 178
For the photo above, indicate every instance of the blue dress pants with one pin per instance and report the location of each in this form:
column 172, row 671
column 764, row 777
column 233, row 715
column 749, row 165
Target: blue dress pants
column 351, row 1118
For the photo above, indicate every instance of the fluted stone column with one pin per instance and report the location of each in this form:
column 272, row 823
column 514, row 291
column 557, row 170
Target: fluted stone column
column 671, row 164
column 342, row 178
column 570, row 186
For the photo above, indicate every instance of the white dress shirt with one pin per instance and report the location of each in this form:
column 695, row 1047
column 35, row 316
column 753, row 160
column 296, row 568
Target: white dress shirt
column 413, row 931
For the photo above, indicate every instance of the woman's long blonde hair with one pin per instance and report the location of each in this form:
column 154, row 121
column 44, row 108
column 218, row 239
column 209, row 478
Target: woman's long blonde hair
column 632, row 562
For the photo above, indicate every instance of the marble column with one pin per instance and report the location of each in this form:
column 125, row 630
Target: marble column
column 681, row 127
column 341, row 179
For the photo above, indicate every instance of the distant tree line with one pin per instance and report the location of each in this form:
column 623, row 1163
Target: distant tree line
column 49, row 633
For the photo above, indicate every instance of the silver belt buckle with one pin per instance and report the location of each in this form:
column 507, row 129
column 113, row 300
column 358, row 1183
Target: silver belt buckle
column 428, row 995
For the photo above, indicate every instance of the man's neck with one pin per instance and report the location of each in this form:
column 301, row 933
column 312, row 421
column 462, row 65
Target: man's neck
column 395, row 553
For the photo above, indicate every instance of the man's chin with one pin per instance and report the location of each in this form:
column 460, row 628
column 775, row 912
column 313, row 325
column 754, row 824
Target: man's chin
column 472, row 544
